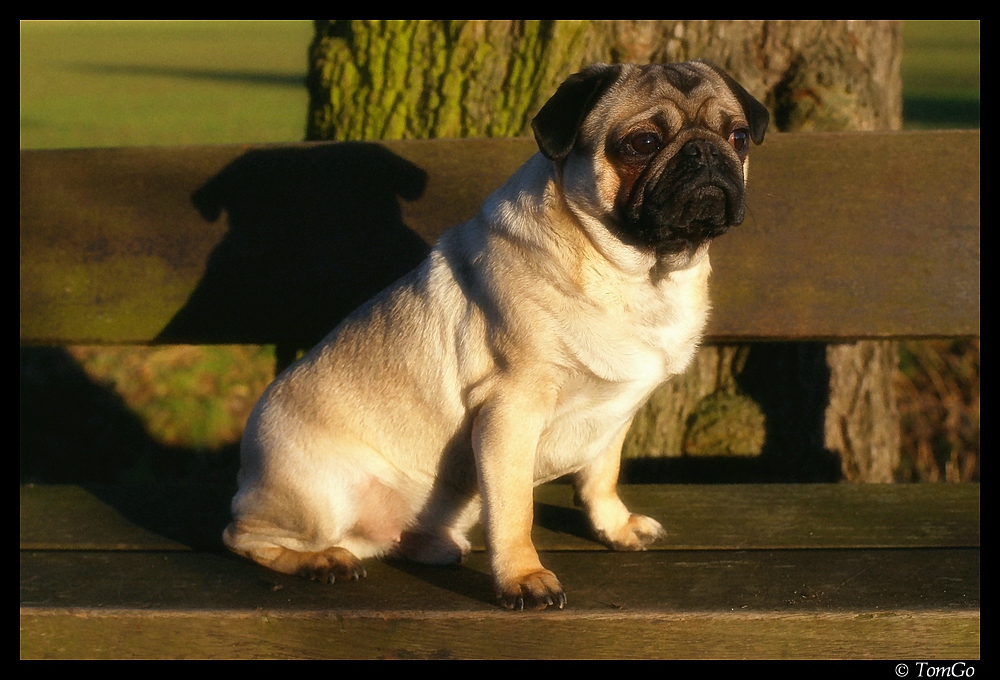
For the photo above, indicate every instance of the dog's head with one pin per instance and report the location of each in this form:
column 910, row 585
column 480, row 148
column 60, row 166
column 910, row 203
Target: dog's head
column 658, row 153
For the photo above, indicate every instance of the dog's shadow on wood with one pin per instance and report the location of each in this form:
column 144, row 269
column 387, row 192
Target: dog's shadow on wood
column 313, row 233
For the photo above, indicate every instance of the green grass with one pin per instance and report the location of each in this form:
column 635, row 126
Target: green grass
column 162, row 82
column 168, row 82
column 941, row 74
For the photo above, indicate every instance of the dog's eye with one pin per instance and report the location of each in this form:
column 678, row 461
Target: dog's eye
column 740, row 140
column 643, row 144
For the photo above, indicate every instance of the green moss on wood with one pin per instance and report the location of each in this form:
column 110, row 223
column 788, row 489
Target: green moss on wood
column 428, row 79
column 725, row 423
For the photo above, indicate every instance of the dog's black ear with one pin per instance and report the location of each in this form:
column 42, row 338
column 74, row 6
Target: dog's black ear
column 558, row 123
column 756, row 113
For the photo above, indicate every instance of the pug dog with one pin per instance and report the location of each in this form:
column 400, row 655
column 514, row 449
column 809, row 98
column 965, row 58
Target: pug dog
column 518, row 352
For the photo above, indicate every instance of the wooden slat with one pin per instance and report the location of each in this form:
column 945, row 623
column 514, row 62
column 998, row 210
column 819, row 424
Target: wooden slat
column 848, row 235
column 772, row 571
column 737, row 517
column 65, row 517
column 704, row 604
column 854, row 235
column 86, row 634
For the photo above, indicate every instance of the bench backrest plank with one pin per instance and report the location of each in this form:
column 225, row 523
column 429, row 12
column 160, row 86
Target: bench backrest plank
column 847, row 236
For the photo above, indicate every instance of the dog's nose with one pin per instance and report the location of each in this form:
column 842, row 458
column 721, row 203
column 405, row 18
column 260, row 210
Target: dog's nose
column 701, row 148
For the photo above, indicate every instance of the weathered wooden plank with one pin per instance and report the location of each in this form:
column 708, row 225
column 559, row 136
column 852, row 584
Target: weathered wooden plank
column 702, row 604
column 597, row 581
column 697, row 517
column 848, row 235
column 854, row 234
column 65, row 517
column 262, row 635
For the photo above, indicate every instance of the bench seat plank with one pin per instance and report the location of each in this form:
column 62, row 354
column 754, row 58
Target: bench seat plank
column 677, row 604
column 774, row 571
column 697, row 517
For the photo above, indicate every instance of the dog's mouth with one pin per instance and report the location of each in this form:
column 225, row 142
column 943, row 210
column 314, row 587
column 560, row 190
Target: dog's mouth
column 697, row 197
column 707, row 209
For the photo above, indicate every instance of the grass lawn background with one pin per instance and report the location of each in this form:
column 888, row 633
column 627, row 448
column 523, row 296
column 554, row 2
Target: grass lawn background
column 162, row 82
column 86, row 84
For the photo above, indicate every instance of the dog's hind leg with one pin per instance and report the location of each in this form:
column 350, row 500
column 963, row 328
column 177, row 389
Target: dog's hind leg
column 318, row 532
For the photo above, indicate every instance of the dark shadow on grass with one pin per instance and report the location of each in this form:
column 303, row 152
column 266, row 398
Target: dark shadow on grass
column 76, row 431
column 270, row 79
column 932, row 112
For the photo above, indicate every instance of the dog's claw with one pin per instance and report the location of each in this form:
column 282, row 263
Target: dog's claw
column 329, row 566
column 537, row 590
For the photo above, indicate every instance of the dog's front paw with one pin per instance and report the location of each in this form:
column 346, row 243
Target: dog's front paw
column 535, row 590
column 638, row 533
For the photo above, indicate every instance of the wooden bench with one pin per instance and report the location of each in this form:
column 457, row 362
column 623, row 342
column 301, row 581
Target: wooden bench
column 848, row 236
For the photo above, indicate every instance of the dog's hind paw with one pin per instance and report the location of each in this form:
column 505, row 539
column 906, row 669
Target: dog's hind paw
column 327, row 566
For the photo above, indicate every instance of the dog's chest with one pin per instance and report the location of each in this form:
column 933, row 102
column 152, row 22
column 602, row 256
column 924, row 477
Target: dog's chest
column 644, row 332
column 588, row 418
column 621, row 357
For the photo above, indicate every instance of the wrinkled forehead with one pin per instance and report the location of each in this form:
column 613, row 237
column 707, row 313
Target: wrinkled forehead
column 677, row 94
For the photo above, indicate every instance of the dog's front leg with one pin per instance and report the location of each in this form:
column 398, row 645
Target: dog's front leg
column 597, row 491
column 505, row 439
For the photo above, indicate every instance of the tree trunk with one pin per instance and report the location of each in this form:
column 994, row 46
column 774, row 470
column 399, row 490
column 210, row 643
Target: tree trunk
column 382, row 80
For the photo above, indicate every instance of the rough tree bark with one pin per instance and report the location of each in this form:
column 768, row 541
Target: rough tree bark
column 804, row 411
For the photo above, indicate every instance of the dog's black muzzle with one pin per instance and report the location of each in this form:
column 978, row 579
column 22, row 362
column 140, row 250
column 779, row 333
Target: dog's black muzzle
column 697, row 197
